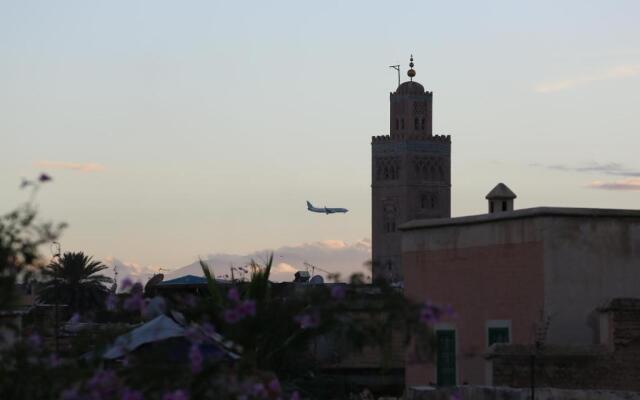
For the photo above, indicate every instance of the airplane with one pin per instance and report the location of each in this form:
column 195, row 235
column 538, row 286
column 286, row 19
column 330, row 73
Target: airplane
column 325, row 210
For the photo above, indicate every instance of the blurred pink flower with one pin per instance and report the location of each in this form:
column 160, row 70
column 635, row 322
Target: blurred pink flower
column 130, row 394
column 233, row 295
column 247, row 308
column 295, row 396
column 338, row 292
column 194, row 334
column 70, row 394
column 195, row 357
column 208, row 329
column 176, row 395
column 258, row 390
column 307, row 321
column 126, row 284
column 274, row 386
column 134, row 302
column 34, row 340
column 103, row 384
column 112, row 302
column 231, row 316
column 54, row 361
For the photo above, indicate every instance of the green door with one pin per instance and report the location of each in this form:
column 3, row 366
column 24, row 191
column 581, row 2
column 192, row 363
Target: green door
column 446, row 357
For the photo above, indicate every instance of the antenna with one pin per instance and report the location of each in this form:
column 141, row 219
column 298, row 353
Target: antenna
column 314, row 267
column 397, row 68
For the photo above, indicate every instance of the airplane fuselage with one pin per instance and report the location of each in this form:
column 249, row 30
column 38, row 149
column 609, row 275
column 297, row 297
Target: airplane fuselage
column 325, row 210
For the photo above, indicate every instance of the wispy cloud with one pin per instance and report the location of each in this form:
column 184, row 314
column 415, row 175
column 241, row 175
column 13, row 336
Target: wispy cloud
column 83, row 167
column 612, row 168
column 624, row 184
column 618, row 72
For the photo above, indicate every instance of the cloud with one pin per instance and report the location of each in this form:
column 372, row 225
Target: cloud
column 335, row 256
column 128, row 269
column 624, row 184
column 83, row 167
column 284, row 268
column 612, row 168
column 619, row 72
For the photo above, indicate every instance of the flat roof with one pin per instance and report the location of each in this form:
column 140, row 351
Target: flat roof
column 518, row 214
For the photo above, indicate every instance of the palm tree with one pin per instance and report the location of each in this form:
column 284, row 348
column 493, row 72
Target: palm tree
column 73, row 279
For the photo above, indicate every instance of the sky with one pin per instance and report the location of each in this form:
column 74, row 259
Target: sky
column 178, row 130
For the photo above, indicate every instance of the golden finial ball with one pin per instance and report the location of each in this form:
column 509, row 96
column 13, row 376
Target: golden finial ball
column 411, row 73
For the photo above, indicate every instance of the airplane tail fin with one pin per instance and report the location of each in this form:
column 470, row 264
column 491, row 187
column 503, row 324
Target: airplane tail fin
column 309, row 206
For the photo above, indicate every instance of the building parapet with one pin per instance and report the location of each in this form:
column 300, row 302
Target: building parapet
column 523, row 213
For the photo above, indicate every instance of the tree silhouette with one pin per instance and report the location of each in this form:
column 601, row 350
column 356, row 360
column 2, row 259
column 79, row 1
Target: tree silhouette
column 73, row 279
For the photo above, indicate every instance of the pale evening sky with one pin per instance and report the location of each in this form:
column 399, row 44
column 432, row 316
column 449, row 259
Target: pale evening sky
column 181, row 129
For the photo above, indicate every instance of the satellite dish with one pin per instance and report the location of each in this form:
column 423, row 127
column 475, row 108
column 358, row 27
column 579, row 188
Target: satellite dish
column 317, row 280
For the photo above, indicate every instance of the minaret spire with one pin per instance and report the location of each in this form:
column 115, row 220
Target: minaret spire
column 411, row 71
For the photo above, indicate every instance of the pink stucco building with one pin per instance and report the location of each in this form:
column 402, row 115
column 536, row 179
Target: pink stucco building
column 508, row 274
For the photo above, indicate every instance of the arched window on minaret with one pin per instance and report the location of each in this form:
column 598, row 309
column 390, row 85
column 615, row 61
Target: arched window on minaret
column 422, row 123
column 416, row 124
column 402, row 123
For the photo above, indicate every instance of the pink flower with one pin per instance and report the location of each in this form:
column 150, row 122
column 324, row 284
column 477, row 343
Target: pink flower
column 193, row 334
column 338, row 292
column 274, row 386
column 54, row 361
column 233, row 295
column 247, row 308
column 307, row 321
column 258, row 390
column 103, row 384
column 208, row 329
column 130, row 394
column 134, row 302
column 34, row 340
column 295, row 396
column 126, row 284
column 176, row 395
column 431, row 313
column 70, row 394
column 112, row 302
column 231, row 316
column 195, row 356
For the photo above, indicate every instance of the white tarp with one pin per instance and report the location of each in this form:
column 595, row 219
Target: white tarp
column 159, row 328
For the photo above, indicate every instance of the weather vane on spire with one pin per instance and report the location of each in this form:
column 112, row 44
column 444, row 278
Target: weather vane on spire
column 411, row 71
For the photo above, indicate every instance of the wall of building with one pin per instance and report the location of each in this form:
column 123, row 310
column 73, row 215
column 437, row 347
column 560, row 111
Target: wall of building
column 504, row 393
column 487, row 272
column 588, row 260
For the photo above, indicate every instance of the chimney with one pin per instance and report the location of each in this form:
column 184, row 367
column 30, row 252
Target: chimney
column 500, row 199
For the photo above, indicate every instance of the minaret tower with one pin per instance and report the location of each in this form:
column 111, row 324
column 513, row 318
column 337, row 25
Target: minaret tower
column 411, row 175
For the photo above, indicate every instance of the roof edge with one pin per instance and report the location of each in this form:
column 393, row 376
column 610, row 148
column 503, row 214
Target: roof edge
column 518, row 214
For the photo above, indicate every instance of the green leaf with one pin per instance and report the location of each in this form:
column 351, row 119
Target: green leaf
column 212, row 285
